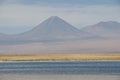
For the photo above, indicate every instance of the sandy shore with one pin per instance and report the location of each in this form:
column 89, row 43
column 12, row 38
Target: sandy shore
column 61, row 57
column 57, row 77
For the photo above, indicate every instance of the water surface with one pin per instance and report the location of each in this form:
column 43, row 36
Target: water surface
column 61, row 67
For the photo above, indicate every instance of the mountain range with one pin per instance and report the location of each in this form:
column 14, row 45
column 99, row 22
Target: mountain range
column 53, row 29
column 109, row 29
column 55, row 35
column 1, row 34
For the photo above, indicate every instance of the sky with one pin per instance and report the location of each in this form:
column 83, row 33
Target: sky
column 17, row 16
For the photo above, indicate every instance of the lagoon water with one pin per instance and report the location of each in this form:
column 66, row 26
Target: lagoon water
column 61, row 67
column 60, row 70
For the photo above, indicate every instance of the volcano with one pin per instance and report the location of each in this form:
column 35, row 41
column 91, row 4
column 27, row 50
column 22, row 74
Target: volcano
column 53, row 29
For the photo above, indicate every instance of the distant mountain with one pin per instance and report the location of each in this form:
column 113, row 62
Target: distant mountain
column 51, row 30
column 1, row 34
column 105, row 29
column 61, row 37
column 54, row 29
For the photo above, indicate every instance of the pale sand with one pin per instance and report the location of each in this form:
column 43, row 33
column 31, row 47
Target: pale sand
column 57, row 77
column 61, row 57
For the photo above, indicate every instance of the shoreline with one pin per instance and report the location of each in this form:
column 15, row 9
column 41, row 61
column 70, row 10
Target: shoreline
column 58, row 77
column 59, row 57
column 61, row 61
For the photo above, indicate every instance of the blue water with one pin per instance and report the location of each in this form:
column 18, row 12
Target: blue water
column 61, row 67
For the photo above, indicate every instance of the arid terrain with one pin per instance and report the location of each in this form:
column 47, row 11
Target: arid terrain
column 61, row 57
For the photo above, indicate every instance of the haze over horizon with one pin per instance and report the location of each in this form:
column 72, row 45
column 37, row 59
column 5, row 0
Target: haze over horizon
column 55, row 35
column 17, row 16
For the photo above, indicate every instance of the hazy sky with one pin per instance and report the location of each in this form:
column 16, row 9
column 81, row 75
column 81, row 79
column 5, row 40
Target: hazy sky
column 21, row 15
